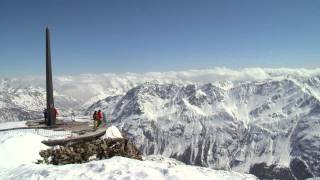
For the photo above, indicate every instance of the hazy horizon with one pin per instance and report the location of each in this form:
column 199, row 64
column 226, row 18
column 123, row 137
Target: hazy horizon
column 214, row 71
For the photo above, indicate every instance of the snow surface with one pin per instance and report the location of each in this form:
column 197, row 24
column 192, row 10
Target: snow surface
column 8, row 125
column 120, row 168
column 19, row 150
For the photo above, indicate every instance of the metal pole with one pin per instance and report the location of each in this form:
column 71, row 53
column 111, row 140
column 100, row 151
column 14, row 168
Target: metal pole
column 50, row 103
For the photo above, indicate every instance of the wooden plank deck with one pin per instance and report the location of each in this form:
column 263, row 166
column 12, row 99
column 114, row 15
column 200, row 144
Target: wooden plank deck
column 84, row 130
column 61, row 125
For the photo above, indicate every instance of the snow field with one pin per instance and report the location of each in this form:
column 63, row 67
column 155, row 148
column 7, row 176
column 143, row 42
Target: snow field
column 19, row 151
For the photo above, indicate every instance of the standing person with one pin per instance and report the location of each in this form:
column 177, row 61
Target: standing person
column 55, row 112
column 104, row 119
column 94, row 117
column 73, row 116
column 45, row 114
column 100, row 118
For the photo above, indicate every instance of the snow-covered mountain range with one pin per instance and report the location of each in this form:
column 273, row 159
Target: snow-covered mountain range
column 21, row 96
column 255, row 122
column 219, row 118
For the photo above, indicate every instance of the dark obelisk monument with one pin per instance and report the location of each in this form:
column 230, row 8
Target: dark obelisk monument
column 51, row 116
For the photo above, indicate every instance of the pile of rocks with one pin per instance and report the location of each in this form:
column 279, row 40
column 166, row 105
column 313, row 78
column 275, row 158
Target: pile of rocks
column 297, row 170
column 87, row 151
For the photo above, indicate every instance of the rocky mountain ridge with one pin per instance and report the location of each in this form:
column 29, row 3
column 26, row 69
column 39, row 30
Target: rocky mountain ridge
column 271, row 121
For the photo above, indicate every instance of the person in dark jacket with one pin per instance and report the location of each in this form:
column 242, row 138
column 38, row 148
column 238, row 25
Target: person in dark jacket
column 45, row 114
column 94, row 117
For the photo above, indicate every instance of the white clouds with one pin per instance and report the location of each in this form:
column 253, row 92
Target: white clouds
column 91, row 87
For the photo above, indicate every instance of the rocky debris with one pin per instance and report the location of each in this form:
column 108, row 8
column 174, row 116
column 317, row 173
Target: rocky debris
column 92, row 150
column 298, row 171
column 263, row 171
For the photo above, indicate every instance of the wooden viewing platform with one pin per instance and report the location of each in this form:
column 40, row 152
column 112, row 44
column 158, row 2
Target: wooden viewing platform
column 83, row 130
column 61, row 125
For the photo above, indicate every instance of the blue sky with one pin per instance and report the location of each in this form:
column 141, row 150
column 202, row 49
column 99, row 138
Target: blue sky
column 143, row 35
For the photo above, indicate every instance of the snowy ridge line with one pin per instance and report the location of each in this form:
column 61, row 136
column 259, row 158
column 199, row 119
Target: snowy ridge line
column 88, row 88
column 24, row 98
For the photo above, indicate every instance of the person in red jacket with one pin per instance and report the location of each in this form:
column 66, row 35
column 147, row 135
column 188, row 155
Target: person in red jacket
column 99, row 118
column 55, row 112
